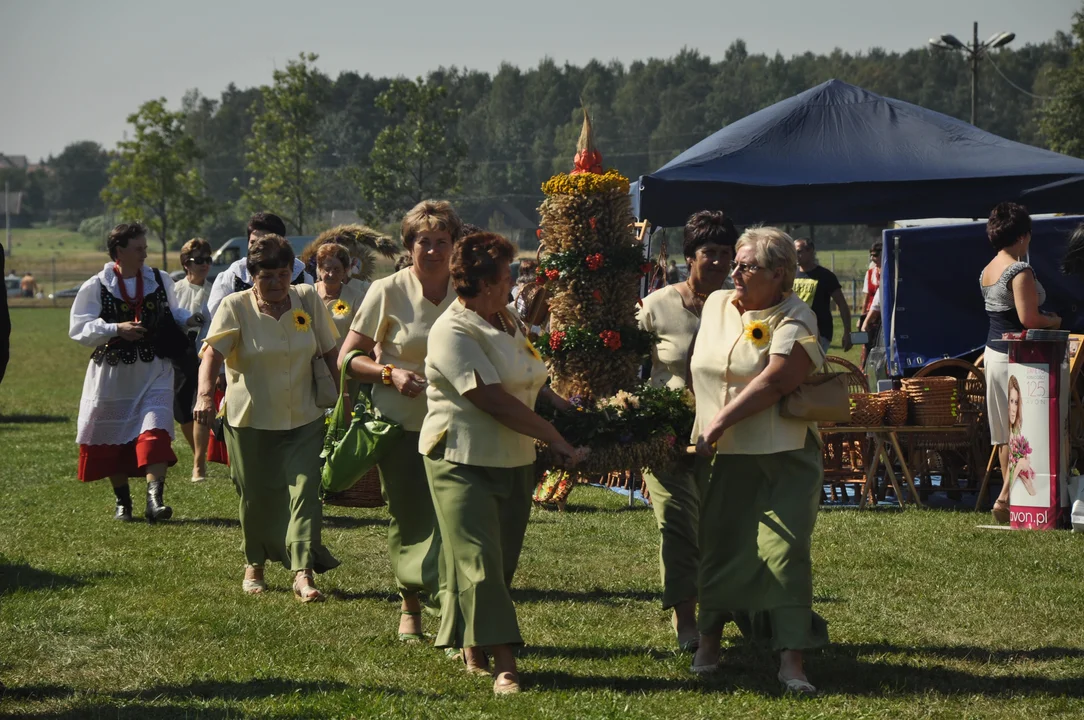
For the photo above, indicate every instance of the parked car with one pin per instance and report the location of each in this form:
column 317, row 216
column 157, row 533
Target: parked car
column 11, row 284
column 66, row 292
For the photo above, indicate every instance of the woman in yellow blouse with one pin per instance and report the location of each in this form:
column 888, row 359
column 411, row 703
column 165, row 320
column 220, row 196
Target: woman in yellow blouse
column 342, row 298
column 395, row 319
column 267, row 336
column 759, row 500
column 478, row 439
column 673, row 313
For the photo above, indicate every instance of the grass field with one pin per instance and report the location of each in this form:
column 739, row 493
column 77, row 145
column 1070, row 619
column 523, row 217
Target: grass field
column 931, row 617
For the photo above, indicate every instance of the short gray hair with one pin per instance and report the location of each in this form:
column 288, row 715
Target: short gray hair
column 774, row 249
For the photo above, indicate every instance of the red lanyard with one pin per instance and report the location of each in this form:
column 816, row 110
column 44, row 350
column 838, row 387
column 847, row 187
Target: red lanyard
column 137, row 303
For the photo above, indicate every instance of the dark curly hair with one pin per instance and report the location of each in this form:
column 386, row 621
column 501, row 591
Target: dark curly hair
column 266, row 222
column 1073, row 262
column 123, row 234
column 1008, row 223
column 478, row 258
column 269, row 252
column 708, row 226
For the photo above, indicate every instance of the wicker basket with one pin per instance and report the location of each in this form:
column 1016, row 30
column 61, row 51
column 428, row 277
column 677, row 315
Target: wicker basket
column 867, row 409
column 895, row 407
column 365, row 493
column 933, row 400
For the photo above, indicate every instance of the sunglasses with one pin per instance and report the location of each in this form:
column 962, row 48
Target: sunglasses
column 744, row 269
column 200, row 260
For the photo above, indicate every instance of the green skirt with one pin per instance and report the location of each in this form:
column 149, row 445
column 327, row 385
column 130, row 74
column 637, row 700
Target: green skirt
column 483, row 514
column 676, row 502
column 277, row 475
column 757, row 516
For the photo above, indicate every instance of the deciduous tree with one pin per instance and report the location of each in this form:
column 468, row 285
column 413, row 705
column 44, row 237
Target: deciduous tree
column 153, row 180
column 283, row 145
column 417, row 156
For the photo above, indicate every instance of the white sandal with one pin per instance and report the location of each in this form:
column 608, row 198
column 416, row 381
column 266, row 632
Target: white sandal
column 309, row 593
column 253, row 586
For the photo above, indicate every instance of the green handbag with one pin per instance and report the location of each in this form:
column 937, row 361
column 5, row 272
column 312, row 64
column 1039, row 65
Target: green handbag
column 355, row 441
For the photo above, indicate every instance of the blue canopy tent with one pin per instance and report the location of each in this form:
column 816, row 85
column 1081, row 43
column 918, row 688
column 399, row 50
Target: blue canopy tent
column 840, row 154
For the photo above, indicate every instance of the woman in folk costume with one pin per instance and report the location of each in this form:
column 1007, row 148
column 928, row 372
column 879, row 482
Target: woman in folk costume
column 126, row 413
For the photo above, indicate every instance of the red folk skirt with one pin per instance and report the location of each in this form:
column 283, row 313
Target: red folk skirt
column 131, row 460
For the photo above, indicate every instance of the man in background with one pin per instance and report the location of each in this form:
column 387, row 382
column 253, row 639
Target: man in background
column 28, row 286
column 235, row 278
column 819, row 287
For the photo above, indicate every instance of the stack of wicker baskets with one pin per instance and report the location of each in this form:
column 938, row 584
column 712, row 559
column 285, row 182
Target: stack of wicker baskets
column 933, row 400
column 365, row 493
column 867, row 409
column 895, row 407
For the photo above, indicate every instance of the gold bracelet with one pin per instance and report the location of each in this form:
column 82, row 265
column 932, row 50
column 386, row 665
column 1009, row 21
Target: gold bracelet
column 385, row 374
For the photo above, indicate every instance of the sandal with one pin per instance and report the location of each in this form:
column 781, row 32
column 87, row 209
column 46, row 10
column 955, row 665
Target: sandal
column 475, row 669
column 1000, row 511
column 307, row 593
column 797, row 686
column 411, row 638
column 507, row 683
column 253, row 585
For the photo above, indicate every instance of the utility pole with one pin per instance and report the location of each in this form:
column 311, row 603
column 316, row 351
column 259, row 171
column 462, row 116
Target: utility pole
column 974, row 73
column 975, row 52
column 7, row 215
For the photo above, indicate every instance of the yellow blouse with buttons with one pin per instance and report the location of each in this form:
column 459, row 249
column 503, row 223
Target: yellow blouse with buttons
column 397, row 316
column 463, row 349
column 269, row 361
column 732, row 348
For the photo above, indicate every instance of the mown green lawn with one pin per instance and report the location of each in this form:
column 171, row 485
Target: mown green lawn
column 931, row 616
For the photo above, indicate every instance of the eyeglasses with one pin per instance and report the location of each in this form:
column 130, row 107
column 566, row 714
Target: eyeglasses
column 200, row 260
column 744, row 269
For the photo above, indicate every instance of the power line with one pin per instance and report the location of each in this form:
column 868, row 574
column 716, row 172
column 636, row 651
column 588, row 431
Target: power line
column 1026, row 92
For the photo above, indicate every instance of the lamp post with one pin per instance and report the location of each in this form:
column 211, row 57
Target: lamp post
column 974, row 51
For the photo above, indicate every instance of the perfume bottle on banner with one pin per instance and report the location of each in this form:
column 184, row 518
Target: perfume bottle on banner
column 1038, row 417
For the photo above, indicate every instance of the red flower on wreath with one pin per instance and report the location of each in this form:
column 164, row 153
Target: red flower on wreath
column 538, row 233
column 540, row 278
column 557, row 339
column 646, row 268
column 597, row 295
column 592, row 222
column 611, row 339
column 594, row 262
column 553, row 273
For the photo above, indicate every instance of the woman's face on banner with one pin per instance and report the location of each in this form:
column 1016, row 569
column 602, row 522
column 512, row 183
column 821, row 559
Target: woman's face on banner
column 1014, row 406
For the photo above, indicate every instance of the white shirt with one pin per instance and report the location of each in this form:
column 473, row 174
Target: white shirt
column 223, row 284
column 88, row 328
column 193, row 298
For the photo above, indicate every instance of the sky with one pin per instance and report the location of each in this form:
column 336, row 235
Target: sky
column 75, row 69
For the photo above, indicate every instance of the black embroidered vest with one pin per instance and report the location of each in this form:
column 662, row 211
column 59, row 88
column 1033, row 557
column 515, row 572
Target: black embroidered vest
column 240, row 285
column 115, row 310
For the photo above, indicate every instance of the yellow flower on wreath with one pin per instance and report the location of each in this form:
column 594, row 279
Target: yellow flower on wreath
column 758, row 333
column 302, row 321
column 340, row 308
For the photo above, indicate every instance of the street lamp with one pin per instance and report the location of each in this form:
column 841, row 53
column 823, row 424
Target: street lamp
column 974, row 51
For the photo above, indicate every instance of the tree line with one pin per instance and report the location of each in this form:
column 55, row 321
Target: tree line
column 307, row 143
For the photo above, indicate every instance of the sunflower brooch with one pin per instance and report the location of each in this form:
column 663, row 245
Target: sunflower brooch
column 340, row 309
column 534, row 352
column 302, row 321
column 757, row 332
